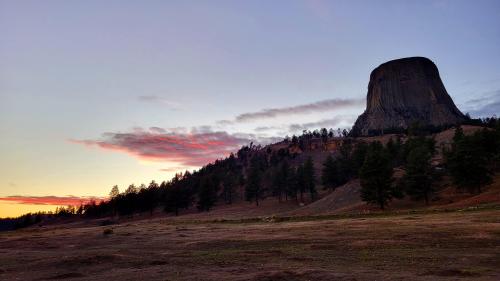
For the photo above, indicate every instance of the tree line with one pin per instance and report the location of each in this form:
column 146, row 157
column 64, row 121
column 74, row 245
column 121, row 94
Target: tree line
column 254, row 173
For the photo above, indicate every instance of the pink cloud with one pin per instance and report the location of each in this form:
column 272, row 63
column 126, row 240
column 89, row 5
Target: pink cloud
column 319, row 106
column 186, row 149
column 49, row 200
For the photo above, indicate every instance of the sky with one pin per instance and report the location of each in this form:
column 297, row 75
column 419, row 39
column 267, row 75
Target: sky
column 98, row 93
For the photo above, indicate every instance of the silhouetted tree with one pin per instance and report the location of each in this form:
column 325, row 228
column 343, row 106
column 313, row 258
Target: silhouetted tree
column 376, row 177
column 229, row 184
column 149, row 197
column 329, row 173
column 208, row 195
column 131, row 189
column 324, row 135
column 114, row 192
column 292, row 187
column 419, row 176
column 358, row 157
column 301, row 181
column 281, row 180
column 469, row 163
column 309, row 178
column 253, row 188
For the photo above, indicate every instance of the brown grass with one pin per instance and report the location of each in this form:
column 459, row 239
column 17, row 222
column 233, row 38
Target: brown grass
column 458, row 245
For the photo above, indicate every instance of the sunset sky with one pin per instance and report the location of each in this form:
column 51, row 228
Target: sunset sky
column 98, row 93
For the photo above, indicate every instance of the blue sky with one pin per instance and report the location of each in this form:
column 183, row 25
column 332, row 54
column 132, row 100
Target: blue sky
column 73, row 70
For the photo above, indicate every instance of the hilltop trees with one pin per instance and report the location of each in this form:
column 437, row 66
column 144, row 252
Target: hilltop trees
column 114, row 192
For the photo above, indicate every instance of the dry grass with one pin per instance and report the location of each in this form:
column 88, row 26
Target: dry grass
column 458, row 245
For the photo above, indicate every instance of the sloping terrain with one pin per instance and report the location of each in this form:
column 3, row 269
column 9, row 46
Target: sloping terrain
column 343, row 198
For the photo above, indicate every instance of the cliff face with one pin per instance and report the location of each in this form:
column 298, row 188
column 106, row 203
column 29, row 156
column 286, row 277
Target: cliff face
column 404, row 91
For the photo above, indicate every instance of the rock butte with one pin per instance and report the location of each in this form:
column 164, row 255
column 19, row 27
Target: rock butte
column 402, row 92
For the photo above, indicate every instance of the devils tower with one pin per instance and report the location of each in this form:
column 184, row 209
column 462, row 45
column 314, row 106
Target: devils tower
column 402, row 92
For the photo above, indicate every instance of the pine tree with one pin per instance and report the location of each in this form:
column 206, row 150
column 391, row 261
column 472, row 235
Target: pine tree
column 292, row 187
column 418, row 177
column 309, row 178
column 329, row 173
column 376, row 177
column 207, row 195
column 114, row 192
column 151, row 197
column 344, row 164
column 131, row 189
column 281, row 179
column 469, row 164
column 358, row 157
column 229, row 183
column 253, row 188
column 300, row 181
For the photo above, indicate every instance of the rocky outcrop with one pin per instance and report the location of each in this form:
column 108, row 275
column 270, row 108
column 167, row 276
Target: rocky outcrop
column 405, row 91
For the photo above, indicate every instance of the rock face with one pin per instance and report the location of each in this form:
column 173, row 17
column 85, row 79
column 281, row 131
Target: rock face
column 402, row 92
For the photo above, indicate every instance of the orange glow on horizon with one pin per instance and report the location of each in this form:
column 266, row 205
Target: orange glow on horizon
column 14, row 206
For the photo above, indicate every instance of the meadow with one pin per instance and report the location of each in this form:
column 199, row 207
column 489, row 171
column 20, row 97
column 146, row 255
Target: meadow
column 460, row 244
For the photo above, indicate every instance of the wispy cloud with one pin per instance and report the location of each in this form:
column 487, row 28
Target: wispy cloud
column 485, row 106
column 268, row 128
column 325, row 123
column 196, row 148
column 49, row 200
column 319, row 106
column 160, row 100
column 173, row 169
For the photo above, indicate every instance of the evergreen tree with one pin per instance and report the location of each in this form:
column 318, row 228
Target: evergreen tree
column 358, row 157
column 469, row 163
column 281, row 179
column 324, row 135
column 344, row 164
column 292, row 187
column 376, row 177
column 300, row 181
column 131, row 189
column 309, row 178
column 207, row 195
column 114, row 192
column 150, row 197
column 329, row 173
column 228, row 186
column 418, row 177
column 253, row 186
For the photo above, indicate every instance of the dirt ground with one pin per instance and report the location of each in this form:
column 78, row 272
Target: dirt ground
column 458, row 245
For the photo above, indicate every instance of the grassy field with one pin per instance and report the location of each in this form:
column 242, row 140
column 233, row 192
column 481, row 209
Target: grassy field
column 453, row 245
